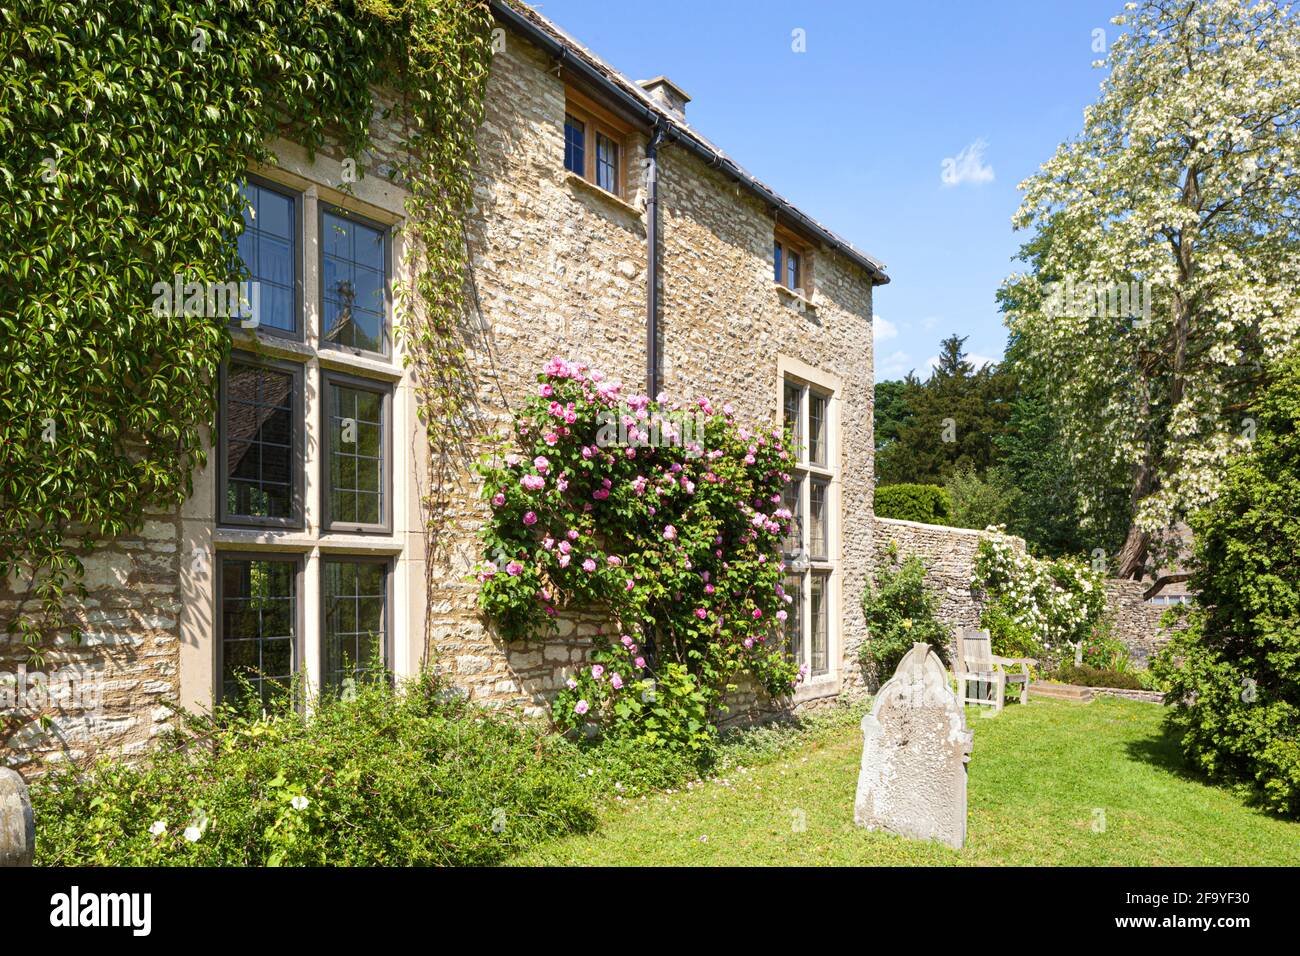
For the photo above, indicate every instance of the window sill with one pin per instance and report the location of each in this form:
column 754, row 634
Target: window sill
column 578, row 182
column 817, row 688
column 369, row 366
column 798, row 302
column 246, row 340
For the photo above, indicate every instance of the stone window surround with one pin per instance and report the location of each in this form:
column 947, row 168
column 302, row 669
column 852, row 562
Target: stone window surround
column 794, row 370
column 203, row 541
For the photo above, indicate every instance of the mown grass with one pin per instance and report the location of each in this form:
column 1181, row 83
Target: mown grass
column 1052, row 783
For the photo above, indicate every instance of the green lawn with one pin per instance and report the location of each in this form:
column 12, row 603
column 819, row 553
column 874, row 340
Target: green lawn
column 1040, row 777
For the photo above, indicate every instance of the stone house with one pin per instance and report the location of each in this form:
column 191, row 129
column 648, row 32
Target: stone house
column 307, row 545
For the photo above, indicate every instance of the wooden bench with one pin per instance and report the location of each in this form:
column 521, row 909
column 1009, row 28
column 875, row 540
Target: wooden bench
column 977, row 663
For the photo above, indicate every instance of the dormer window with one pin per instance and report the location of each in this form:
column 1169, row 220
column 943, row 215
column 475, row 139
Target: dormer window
column 791, row 263
column 595, row 144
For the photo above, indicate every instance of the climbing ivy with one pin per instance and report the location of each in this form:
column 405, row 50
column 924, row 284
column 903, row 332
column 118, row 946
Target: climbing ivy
column 125, row 129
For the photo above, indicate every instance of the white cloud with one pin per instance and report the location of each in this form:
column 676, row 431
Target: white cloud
column 967, row 166
column 882, row 330
column 893, row 366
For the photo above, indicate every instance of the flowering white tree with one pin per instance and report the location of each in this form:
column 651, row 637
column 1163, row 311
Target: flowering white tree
column 1171, row 225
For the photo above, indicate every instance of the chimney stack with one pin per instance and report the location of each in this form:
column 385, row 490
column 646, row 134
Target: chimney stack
column 667, row 95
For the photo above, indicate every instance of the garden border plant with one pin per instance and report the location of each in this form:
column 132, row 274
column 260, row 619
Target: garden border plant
column 124, row 133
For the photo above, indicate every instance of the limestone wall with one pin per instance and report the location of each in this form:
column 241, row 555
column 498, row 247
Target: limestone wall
column 119, row 675
column 949, row 553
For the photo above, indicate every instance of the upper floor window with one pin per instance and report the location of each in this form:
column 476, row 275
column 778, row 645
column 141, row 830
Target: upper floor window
column 575, row 145
column 261, row 449
column 269, row 250
column 595, row 143
column 791, row 261
column 354, row 282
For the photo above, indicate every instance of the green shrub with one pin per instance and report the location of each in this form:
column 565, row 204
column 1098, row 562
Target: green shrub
column 1106, row 652
column 1234, row 672
column 980, row 501
column 900, row 611
column 1010, row 636
column 1087, row 676
column 390, row 777
column 927, row 504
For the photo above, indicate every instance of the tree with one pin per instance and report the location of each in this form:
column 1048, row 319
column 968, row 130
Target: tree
column 891, row 409
column 1180, row 193
column 951, row 419
column 1234, row 673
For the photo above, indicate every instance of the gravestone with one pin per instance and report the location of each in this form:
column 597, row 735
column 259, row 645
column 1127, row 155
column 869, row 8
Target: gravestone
column 914, row 753
column 17, row 825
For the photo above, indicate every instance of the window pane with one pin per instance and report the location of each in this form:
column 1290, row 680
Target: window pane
column 355, row 635
column 606, row 163
column 356, row 451
column 792, row 499
column 258, row 626
column 792, row 270
column 818, row 616
column 354, row 283
column 818, row 538
column 790, row 410
column 793, row 585
column 268, row 249
column 776, row 260
column 575, row 146
column 817, row 428
column 261, row 459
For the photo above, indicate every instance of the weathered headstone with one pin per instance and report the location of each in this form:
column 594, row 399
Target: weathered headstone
column 914, row 753
column 17, row 825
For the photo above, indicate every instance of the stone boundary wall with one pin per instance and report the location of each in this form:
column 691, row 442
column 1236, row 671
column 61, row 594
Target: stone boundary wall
column 1137, row 623
column 949, row 553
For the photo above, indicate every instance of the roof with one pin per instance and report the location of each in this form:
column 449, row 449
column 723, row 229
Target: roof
column 626, row 93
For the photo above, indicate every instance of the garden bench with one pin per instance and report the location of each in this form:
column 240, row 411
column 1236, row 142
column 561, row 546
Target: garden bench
column 977, row 662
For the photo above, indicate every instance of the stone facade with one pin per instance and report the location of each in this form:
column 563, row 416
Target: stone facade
column 558, row 267
column 122, row 672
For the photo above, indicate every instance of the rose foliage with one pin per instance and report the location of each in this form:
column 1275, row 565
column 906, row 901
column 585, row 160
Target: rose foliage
column 668, row 521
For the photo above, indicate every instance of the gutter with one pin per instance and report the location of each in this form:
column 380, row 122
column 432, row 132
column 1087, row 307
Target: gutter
column 506, row 13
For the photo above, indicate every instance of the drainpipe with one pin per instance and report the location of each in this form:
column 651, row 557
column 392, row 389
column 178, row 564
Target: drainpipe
column 652, row 261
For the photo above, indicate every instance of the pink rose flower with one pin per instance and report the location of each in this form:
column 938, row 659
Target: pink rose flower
column 533, row 482
column 564, row 560
column 616, row 682
column 581, row 707
column 614, row 561
column 545, row 390
column 589, row 565
column 597, row 671
column 670, row 533
column 530, row 518
column 701, row 613
column 498, row 499
column 514, row 569
column 572, row 684
column 541, row 464
column 639, row 662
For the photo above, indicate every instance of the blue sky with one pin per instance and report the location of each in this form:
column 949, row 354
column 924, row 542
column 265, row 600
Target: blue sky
column 856, row 129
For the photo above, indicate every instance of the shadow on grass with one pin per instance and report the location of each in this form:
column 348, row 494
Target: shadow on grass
column 1163, row 750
